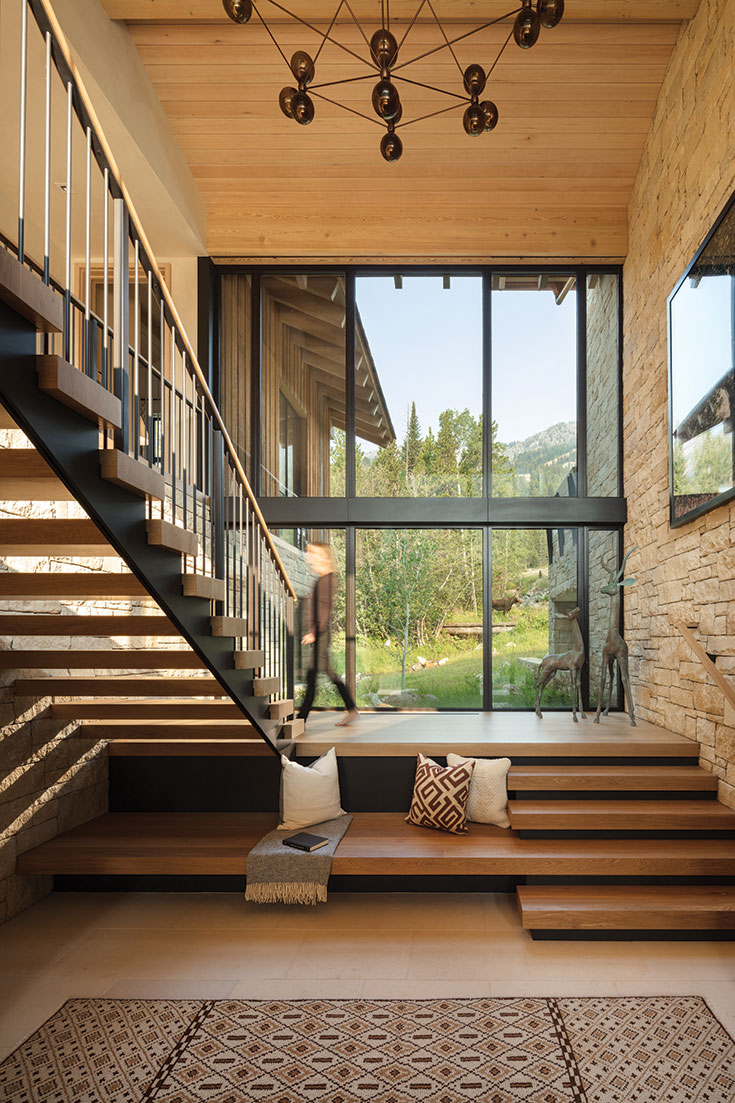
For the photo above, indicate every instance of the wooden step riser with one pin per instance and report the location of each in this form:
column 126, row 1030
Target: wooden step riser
column 40, row 624
column 162, row 534
column 26, row 477
column 32, row 536
column 627, row 907
column 183, row 729
column 197, row 585
column 192, row 748
column 634, row 815
column 25, row 293
column 229, row 626
column 555, row 781
column 708, row 793
column 131, row 474
column 623, row 920
column 147, row 710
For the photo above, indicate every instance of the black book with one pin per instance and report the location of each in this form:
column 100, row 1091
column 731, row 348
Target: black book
column 305, row 841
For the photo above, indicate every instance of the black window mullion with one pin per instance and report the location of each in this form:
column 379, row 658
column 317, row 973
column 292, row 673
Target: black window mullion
column 581, row 281
column 350, row 389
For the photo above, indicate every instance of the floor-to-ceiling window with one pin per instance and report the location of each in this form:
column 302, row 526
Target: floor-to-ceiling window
column 454, row 434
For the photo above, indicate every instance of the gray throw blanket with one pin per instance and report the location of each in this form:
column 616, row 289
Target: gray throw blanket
column 278, row 874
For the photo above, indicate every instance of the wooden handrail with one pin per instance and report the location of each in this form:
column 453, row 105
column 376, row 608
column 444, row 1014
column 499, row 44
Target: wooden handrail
column 717, row 676
column 63, row 46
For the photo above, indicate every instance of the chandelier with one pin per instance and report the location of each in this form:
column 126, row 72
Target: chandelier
column 385, row 57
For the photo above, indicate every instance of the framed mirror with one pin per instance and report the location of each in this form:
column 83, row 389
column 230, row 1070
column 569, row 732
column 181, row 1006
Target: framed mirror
column 702, row 377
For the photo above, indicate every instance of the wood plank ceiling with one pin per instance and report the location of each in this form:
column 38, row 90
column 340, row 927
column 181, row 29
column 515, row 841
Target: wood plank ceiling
column 553, row 180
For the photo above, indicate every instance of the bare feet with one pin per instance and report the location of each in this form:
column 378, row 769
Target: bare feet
column 348, row 718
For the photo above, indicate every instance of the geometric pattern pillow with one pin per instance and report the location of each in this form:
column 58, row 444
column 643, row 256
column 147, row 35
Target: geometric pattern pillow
column 440, row 795
column 488, row 800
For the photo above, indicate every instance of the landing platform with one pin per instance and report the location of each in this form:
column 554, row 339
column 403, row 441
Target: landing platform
column 495, row 734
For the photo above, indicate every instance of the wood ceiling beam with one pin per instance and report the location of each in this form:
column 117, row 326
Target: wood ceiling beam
column 314, row 306
column 321, row 11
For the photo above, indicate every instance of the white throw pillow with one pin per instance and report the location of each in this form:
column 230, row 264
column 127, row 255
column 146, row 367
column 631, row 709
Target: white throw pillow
column 309, row 794
column 488, row 800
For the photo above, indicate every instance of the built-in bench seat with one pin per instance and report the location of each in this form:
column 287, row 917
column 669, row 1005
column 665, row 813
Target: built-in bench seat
column 377, row 843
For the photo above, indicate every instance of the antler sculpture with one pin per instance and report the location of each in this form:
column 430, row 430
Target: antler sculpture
column 615, row 646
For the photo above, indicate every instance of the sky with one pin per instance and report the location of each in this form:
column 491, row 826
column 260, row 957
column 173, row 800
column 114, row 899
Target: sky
column 702, row 340
column 427, row 347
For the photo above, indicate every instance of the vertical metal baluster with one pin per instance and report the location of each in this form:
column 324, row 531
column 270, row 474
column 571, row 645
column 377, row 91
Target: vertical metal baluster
column 105, row 281
column 172, row 422
column 149, row 378
column 241, row 548
column 212, row 503
column 163, row 400
column 22, row 135
column 183, row 436
column 47, row 169
column 136, row 352
column 67, row 243
column 87, row 245
column 226, row 540
column 193, row 451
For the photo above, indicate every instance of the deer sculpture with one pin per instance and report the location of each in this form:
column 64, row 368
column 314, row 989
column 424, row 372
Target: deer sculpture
column 572, row 661
column 506, row 603
column 615, row 646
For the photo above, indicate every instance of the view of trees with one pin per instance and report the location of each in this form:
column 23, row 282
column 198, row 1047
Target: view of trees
column 705, row 466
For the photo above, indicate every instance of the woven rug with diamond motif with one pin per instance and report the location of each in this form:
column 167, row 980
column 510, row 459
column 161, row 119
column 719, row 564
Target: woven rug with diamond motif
column 666, row 1049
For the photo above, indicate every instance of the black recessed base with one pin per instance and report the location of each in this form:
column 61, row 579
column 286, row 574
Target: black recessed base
column 632, row 936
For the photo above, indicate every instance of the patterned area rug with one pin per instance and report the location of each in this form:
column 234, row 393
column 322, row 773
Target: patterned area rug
column 587, row 1050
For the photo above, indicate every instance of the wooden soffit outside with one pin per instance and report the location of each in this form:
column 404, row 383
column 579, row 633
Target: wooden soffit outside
column 552, row 181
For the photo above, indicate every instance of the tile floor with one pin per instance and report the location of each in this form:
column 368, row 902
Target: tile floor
column 402, row 945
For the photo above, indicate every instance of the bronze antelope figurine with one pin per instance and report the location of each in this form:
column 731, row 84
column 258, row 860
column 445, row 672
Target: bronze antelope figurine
column 615, row 646
column 568, row 660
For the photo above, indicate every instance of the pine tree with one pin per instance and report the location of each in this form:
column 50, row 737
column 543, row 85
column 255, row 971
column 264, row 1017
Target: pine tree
column 413, row 441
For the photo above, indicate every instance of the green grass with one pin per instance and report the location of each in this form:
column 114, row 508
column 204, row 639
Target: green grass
column 458, row 683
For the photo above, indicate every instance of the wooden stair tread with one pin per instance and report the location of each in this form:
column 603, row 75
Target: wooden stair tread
column 34, row 536
column 6, row 420
column 182, row 728
column 376, row 843
column 92, row 624
column 158, row 709
column 594, row 777
column 198, row 585
column 188, row 748
column 621, row 815
column 229, row 626
column 163, row 534
column 263, row 687
column 631, row 907
column 26, row 477
column 134, row 475
column 279, row 710
column 22, row 290
column 72, row 388
column 117, row 687
column 35, row 586
column 122, row 659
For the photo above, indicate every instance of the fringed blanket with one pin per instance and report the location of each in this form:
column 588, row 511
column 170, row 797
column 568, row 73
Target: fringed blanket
column 278, row 874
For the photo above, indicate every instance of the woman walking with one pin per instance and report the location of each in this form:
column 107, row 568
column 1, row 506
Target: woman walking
column 320, row 558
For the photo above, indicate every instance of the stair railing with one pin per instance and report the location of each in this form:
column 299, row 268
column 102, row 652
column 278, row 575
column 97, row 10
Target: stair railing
column 122, row 329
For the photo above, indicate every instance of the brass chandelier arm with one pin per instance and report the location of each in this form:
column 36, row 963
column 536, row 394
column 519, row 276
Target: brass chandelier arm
column 432, row 88
column 344, row 80
column 410, row 26
column 431, row 115
column 329, row 29
column 500, row 53
column 272, row 36
column 344, row 107
column 316, row 30
column 459, row 38
column 444, row 36
column 357, row 23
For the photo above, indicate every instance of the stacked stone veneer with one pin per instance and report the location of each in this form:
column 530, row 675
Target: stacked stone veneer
column 686, row 175
column 50, row 779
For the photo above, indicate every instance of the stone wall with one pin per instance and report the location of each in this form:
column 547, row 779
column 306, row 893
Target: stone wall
column 686, row 175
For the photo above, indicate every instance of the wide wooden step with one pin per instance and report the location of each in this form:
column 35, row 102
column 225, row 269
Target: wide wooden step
column 131, row 474
column 279, row 710
column 620, row 815
column 263, row 687
column 249, row 660
column 627, row 907
column 6, row 421
column 53, row 624
column 590, row 777
column 52, row 536
column 104, row 659
column 26, row 477
column 182, row 729
column 188, row 748
column 72, row 388
column 86, row 585
column 376, row 843
column 162, row 534
column 168, row 708
column 118, row 687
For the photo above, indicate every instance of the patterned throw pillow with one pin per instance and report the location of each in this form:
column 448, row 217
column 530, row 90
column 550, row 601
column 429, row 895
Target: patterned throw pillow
column 488, row 801
column 440, row 795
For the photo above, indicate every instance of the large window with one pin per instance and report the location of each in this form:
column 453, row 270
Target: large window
column 418, row 352
column 455, row 435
